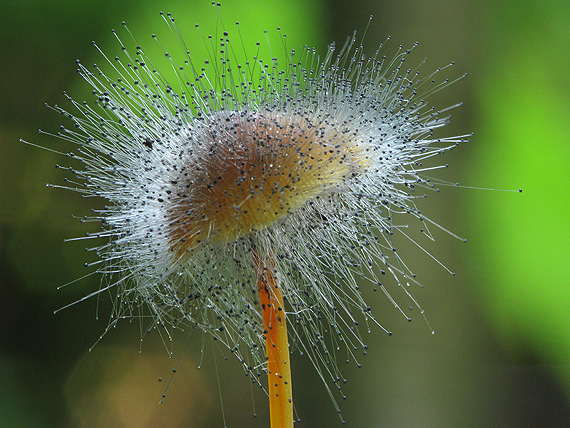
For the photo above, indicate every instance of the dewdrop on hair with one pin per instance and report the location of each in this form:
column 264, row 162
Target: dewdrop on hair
column 252, row 200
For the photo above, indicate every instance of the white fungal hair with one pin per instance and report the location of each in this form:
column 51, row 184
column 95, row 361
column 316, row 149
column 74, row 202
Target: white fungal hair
column 304, row 163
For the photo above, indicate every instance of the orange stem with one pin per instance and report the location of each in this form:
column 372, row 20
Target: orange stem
column 277, row 347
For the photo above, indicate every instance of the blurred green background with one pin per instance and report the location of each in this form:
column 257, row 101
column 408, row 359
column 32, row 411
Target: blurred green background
column 500, row 356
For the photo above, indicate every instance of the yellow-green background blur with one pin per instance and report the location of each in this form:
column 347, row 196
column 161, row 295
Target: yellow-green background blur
column 500, row 355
